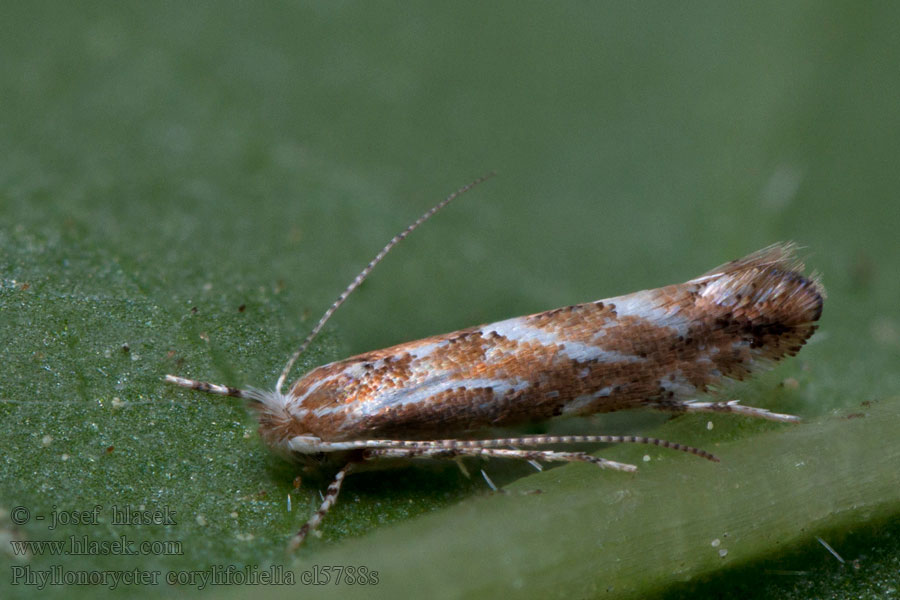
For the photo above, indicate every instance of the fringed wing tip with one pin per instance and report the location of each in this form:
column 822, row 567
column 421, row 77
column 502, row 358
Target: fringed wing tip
column 782, row 255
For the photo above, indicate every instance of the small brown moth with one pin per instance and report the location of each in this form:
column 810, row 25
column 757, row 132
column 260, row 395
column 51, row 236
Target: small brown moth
column 659, row 348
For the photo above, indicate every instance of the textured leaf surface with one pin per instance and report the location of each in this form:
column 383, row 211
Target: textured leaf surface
column 185, row 187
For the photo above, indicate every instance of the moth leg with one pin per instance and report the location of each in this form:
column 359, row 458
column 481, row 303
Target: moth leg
column 331, row 495
column 529, row 455
column 732, row 406
column 540, row 440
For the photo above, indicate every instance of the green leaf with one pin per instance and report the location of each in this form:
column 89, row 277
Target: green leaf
column 186, row 187
column 679, row 519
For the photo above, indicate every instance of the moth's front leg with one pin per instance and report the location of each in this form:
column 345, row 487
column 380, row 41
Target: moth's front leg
column 548, row 455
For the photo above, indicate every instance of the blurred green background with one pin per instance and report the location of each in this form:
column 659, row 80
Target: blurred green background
column 185, row 187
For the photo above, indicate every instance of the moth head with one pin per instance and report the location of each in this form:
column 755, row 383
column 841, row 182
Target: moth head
column 278, row 425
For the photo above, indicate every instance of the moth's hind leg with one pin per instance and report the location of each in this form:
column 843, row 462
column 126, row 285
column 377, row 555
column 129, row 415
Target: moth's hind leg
column 732, row 406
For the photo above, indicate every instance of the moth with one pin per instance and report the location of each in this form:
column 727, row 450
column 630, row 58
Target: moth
column 661, row 348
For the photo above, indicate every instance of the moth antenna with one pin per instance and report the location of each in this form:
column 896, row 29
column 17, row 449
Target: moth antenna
column 365, row 273
column 211, row 388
